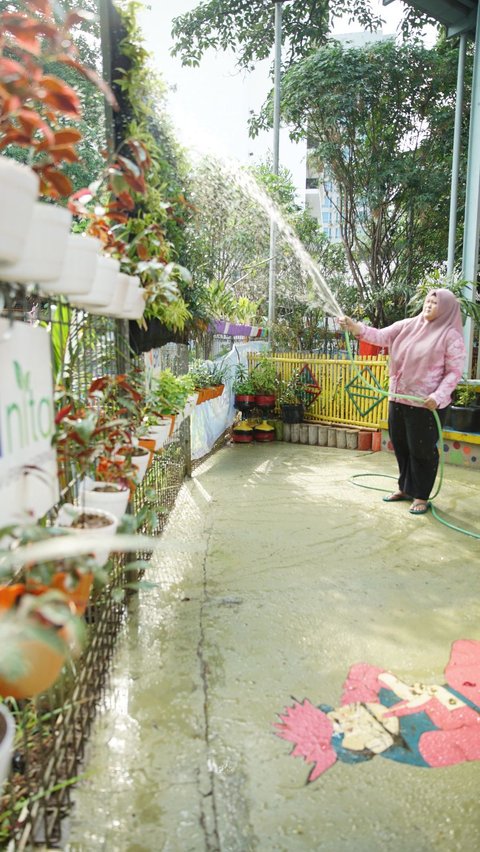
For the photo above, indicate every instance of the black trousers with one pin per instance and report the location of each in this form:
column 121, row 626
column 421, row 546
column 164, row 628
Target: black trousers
column 414, row 435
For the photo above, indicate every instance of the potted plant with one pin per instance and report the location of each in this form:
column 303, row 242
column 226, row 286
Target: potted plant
column 38, row 632
column 464, row 413
column 264, row 381
column 243, row 390
column 34, row 114
column 290, row 400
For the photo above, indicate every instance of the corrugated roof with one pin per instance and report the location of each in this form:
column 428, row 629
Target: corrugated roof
column 459, row 16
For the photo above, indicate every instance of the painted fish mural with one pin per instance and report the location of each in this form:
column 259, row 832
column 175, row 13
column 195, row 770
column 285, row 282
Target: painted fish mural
column 421, row 725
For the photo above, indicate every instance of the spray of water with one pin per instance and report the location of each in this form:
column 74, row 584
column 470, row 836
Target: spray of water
column 208, row 148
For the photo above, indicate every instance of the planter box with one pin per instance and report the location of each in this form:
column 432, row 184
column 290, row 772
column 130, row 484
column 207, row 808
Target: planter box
column 45, row 247
column 18, row 190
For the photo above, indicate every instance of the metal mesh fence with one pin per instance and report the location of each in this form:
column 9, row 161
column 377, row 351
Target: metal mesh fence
column 53, row 728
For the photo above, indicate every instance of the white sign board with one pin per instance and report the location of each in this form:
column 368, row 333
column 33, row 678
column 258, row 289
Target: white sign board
column 28, row 463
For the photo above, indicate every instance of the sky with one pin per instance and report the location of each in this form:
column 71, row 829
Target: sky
column 210, row 105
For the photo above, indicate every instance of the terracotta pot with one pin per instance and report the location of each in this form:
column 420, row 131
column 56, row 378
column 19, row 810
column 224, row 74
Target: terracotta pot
column 148, row 444
column 43, row 661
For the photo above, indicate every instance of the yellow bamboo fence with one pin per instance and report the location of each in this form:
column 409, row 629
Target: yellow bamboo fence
column 338, row 401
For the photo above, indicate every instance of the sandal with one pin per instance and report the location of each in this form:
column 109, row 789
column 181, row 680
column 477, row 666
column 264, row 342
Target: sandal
column 396, row 497
column 420, row 508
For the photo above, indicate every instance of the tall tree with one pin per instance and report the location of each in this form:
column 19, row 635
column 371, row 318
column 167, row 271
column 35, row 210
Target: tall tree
column 380, row 120
column 247, row 27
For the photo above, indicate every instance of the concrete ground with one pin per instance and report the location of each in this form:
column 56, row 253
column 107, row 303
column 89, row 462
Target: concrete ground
column 276, row 574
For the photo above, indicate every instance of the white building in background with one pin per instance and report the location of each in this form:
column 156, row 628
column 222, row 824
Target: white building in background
column 322, row 198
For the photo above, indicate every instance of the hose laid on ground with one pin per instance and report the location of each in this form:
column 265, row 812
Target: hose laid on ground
column 380, row 390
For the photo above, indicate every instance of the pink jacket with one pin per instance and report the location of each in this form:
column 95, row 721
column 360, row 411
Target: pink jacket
column 445, row 369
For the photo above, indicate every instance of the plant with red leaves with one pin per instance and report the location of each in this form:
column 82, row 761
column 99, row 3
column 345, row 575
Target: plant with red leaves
column 34, row 106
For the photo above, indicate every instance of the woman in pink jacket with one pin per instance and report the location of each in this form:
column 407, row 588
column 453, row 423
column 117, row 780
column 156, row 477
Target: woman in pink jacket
column 427, row 356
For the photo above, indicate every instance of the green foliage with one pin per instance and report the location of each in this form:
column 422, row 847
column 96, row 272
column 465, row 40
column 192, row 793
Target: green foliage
column 438, row 279
column 242, row 383
column 381, row 122
column 291, row 392
column 465, row 395
column 169, row 393
column 247, row 27
column 264, row 375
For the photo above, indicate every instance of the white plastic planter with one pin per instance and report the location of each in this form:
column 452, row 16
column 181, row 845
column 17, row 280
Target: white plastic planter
column 104, row 283
column 79, row 267
column 18, row 191
column 6, row 743
column 94, row 495
column 134, row 305
column 190, row 404
column 45, row 247
column 67, row 515
column 160, row 433
column 136, row 312
column 141, row 463
column 116, row 306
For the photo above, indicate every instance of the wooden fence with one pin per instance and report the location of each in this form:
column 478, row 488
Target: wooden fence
column 347, row 389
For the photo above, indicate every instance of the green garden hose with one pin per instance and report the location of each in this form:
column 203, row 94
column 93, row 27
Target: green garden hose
column 380, row 390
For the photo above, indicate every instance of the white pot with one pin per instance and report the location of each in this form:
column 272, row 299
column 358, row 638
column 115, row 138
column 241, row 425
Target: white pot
column 115, row 308
column 18, row 191
column 134, row 288
column 141, row 463
column 67, row 514
column 6, row 744
column 160, row 433
column 79, row 267
column 104, row 283
column 93, row 496
column 46, row 244
column 137, row 310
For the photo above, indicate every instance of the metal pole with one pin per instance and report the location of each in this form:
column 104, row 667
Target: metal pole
column 471, row 229
column 276, row 146
column 103, row 10
column 457, row 134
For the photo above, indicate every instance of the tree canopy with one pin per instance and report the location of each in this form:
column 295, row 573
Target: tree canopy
column 380, row 124
column 247, row 26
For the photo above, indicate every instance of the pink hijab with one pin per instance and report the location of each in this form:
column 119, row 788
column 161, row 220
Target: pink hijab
column 419, row 339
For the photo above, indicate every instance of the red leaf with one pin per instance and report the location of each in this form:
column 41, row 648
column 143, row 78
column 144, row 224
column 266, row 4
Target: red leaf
column 54, row 180
column 63, row 154
column 67, row 137
column 11, row 71
column 60, row 96
column 60, row 415
column 42, row 6
column 91, row 75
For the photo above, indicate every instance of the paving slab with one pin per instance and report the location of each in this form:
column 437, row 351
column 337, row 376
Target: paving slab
column 275, row 575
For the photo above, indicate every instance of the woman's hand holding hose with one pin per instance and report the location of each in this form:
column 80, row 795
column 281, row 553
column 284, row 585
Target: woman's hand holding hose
column 349, row 325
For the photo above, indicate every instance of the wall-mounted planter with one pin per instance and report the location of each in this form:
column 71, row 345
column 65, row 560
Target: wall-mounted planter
column 160, row 433
column 18, row 191
column 104, row 283
column 79, row 267
column 69, row 515
column 115, row 308
column 107, row 496
column 45, row 247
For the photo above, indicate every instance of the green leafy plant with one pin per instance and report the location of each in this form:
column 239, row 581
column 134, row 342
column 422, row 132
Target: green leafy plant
column 169, row 393
column 291, row 391
column 465, row 395
column 36, row 108
column 242, row 383
column 264, row 375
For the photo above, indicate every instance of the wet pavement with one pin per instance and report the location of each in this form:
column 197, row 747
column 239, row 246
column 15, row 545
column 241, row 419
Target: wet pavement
column 276, row 574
